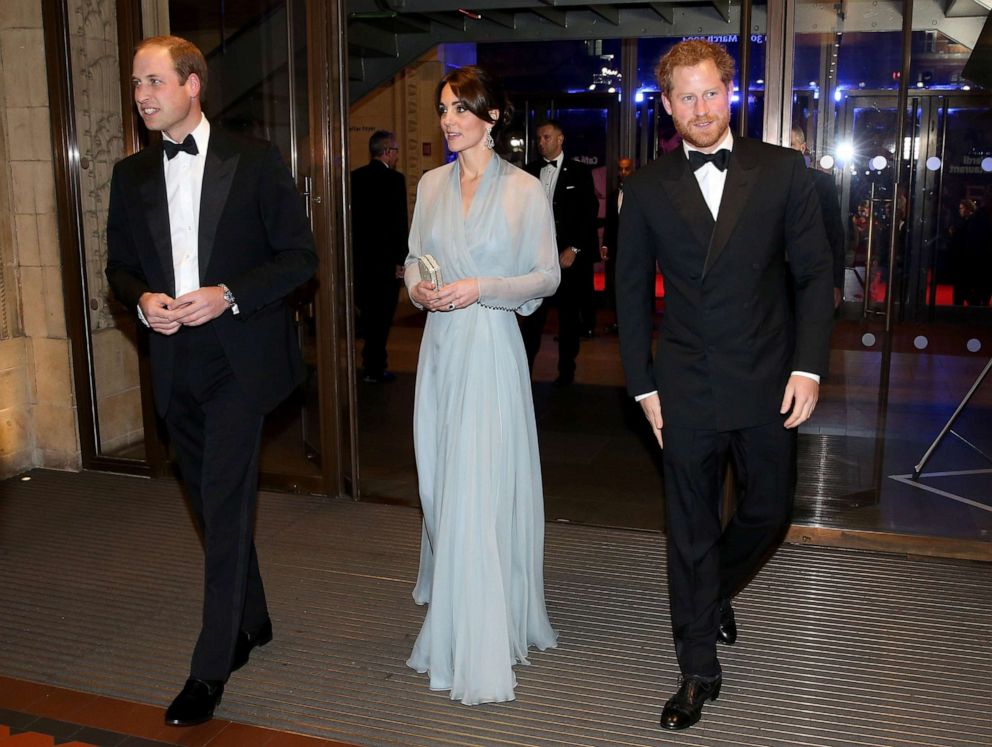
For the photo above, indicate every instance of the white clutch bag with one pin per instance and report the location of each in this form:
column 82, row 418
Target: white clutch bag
column 430, row 270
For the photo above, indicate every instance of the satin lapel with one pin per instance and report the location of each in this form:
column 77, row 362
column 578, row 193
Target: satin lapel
column 682, row 189
column 155, row 202
column 742, row 175
column 218, row 175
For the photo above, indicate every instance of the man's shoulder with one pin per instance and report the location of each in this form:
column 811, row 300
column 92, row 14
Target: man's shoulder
column 821, row 179
column 377, row 170
column 760, row 151
column 576, row 166
column 224, row 142
column 651, row 172
column 139, row 159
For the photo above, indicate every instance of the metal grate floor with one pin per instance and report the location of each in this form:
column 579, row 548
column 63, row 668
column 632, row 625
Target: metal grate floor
column 100, row 584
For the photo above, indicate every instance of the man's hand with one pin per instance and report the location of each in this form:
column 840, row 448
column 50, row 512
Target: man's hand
column 800, row 397
column 400, row 272
column 567, row 258
column 157, row 310
column 604, row 253
column 651, row 406
column 200, row 306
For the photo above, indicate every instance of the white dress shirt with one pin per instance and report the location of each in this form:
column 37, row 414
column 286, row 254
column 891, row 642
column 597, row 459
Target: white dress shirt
column 183, row 182
column 549, row 175
column 711, row 182
column 710, row 178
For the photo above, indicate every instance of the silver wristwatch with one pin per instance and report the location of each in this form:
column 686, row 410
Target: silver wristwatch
column 229, row 298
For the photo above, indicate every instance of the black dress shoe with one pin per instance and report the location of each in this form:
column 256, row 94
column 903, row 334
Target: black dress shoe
column 196, row 703
column 727, row 632
column 685, row 707
column 248, row 641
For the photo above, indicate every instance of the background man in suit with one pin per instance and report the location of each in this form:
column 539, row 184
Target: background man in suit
column 206, row 237
column 738, row 363
column 833, row 223
column 608, row 249
column 379, row 233
column 570, row 189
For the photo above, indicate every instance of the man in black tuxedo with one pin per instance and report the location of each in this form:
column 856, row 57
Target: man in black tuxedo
column 379, row 234
column 206, row 237
column 833, row 223
column 608, row 249
column 570, row 189
column 738, row 362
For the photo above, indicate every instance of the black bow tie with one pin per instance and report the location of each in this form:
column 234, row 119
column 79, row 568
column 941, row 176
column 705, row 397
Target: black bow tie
column 720, row 159
column 188, row 145
column 552, row 164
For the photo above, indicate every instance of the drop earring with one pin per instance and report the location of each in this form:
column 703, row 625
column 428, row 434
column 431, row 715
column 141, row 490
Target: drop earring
column 489, row 138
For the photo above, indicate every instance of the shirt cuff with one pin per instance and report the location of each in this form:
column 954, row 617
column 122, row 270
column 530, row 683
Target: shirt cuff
column 813, row 376
column 639, row 397
column 141, row 316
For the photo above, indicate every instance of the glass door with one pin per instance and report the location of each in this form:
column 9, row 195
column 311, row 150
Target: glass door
column 256, row 51
column 906, row 346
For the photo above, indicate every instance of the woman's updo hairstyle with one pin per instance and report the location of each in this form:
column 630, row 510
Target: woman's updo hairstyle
column 479, row 92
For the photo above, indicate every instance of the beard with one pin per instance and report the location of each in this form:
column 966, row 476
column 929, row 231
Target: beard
column 707, row 138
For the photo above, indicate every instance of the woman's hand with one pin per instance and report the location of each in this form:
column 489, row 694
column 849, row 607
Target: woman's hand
column 456, row 295
column 422, row 293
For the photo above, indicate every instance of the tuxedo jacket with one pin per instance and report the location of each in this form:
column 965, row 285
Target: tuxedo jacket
column 575, row 207
column 254, row 237
column 379, row 221
column 731, row 333
column 833, row 223
column 612, row 223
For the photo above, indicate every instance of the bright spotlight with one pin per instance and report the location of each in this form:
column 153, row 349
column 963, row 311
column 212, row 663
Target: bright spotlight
column 878, row 163
column 827, row 162
column 838, row 95
column 845, row 151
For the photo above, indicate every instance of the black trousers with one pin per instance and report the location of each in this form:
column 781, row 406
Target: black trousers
column 376, row 300
column 568, row 300
column 708, row 563
column 587, row 296
column 216, row 433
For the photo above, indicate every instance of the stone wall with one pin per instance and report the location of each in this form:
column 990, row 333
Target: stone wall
column 37, row 406
column 100, row 135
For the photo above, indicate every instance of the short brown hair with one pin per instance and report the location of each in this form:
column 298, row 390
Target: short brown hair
column 186, row 57
column 692, row 52
column 479, row 92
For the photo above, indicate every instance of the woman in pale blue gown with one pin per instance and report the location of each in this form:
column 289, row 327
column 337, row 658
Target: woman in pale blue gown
column 490, row 229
